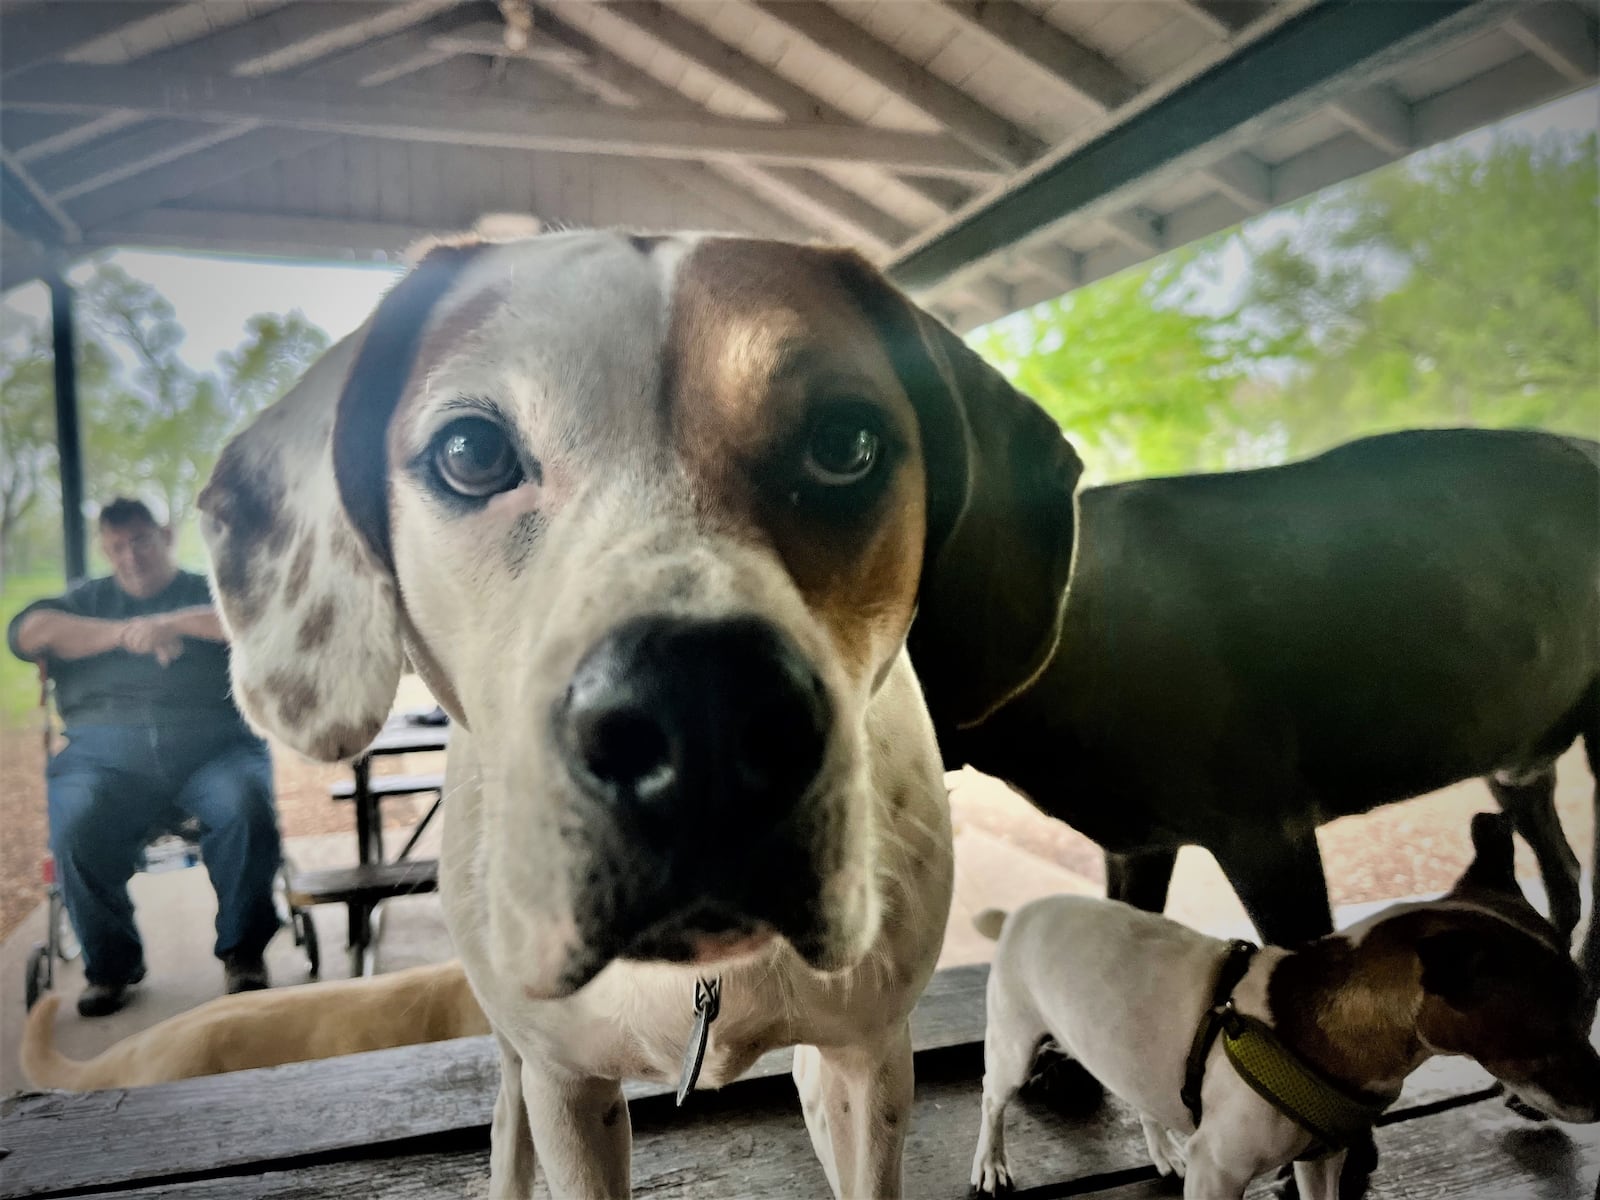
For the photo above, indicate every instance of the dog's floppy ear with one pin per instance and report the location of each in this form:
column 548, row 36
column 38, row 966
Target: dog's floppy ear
column 1001, row 513
column 295, row 518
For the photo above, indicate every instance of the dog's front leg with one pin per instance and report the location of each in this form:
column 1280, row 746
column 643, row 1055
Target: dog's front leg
column 1319, row 1178
column 511, row 1159
column 1219, row 1172
column 581, row 1128
column 857, row 1104
column 511, row 1141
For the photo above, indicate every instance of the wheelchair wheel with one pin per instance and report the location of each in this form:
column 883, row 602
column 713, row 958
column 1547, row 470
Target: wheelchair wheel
column 41, row 973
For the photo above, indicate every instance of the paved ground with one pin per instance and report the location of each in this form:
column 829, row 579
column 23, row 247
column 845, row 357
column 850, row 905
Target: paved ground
column 175, row 912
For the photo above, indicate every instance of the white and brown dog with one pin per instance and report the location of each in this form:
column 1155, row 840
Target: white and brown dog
column 1327, row 1033
column 654, row 517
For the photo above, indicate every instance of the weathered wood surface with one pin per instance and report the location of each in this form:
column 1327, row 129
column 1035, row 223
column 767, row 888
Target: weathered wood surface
column 370, row 1108
column 745, row 1141
column 751, row 1141
column 1480, row 1151
column 58, row 1141
column 434, row 1173
column 333, row 1106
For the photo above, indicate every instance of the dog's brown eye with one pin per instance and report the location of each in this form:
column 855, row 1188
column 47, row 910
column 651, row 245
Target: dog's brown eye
column 475, row 457
column 842, row 449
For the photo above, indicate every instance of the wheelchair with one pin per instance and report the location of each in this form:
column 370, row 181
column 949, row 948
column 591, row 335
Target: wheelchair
column 171, row 849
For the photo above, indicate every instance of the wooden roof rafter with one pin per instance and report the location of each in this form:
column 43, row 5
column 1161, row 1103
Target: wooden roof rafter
column 901, row 128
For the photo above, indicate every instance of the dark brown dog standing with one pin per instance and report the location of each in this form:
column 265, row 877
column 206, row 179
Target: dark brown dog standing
column 1246, row 656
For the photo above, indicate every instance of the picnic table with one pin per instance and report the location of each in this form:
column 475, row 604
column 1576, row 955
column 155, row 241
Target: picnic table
column 399, row 735
column 363, row 887
column 414, row 1122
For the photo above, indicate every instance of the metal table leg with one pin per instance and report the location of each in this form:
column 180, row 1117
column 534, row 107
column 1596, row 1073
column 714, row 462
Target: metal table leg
column 369, row 849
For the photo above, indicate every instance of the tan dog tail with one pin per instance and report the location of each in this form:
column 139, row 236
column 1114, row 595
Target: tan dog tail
column 42, row 1064
column 990, row 922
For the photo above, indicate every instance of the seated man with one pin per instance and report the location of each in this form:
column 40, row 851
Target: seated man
column 141, row 673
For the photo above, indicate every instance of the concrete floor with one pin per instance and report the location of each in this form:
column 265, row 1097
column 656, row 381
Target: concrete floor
column 176, row 910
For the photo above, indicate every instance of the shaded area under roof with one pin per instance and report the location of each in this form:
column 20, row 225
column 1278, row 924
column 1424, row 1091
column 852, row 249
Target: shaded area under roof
column 988, row 154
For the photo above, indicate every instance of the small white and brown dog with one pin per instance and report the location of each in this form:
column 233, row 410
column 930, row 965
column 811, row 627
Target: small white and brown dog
column 1330, row 1031
column 655, row 517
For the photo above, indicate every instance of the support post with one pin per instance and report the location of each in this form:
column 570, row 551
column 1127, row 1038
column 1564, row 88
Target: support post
column 69, row 446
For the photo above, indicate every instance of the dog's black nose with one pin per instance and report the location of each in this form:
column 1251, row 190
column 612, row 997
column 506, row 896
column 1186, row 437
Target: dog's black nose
column 695, row 718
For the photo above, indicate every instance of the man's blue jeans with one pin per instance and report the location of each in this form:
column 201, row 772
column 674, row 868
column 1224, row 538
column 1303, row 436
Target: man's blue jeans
column 115, row 787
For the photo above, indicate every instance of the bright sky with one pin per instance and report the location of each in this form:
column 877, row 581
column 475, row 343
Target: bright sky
column 215, row 295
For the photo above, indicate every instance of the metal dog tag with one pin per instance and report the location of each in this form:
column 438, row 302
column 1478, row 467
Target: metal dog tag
column 707, row 1004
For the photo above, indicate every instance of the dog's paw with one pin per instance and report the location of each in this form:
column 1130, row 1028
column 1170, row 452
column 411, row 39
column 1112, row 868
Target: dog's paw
column 992, row 1178
column 1177, row 1153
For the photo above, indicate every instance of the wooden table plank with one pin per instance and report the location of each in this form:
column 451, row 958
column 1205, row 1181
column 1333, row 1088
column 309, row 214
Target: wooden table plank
column 370, row 1107
column 461, row 1174
column 331, row 1106
column 405, row 738
column 745, row 1141
column 58, row 1141
column 751, row 1141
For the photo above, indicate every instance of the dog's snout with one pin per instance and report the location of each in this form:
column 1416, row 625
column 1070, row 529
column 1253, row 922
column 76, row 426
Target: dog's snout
column 695, row 717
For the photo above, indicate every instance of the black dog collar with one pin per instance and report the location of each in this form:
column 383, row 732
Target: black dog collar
column 1233, row 969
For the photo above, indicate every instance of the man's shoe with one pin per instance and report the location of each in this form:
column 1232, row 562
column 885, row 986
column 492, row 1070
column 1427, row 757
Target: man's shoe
column 245, row 974
column 103, row 999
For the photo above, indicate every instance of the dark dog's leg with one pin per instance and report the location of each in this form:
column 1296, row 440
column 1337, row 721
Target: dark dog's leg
column 1531, row 805
column 1141, row 879
column 1278, row 878
column 1589, row 958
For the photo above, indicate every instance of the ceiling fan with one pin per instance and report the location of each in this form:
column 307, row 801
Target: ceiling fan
column 517, row 38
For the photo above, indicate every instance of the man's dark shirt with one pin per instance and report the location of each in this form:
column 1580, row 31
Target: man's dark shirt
column 121, row 688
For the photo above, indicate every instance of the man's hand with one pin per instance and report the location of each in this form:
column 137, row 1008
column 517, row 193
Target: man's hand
column 154, row 636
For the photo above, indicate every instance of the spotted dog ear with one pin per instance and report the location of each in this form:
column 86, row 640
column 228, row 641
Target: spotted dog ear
column 1001, row 514
column 296, row 523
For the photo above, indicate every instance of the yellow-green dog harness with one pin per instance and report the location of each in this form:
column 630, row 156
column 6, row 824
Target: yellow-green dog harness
column 1324, row 1109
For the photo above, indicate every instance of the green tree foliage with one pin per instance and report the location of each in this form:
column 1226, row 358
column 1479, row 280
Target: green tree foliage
column 1463, row 289
column 1143, row 385
column 27, row 424
column 1458, row 288
column 152, row 424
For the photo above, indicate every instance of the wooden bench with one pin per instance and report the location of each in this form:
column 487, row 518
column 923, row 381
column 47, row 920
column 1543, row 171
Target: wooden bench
column 389, row 785
column 373, row 881
column 414, row 1122
column 361, row 889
